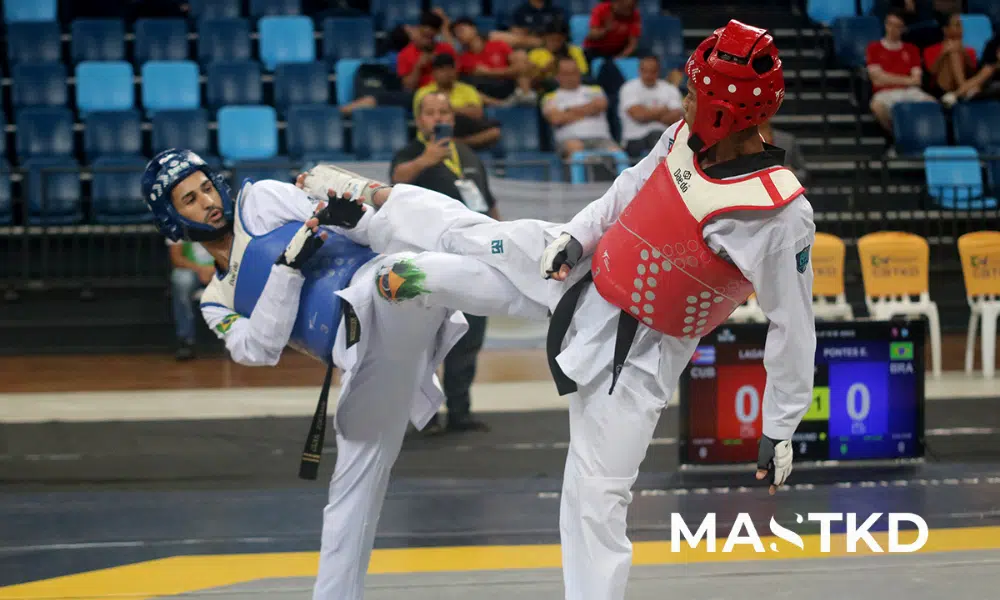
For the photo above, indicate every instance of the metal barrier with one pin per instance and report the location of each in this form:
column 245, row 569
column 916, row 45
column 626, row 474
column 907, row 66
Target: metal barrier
column 85, row 251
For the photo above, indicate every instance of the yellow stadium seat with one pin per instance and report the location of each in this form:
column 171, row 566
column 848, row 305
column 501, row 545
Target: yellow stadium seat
column 829, row 297
column 895, row 269
column 980, row 253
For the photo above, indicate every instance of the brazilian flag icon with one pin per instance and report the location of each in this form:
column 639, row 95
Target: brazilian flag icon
column 901, row 351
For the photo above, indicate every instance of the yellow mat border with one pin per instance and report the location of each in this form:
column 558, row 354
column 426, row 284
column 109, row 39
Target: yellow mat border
column 186, row 574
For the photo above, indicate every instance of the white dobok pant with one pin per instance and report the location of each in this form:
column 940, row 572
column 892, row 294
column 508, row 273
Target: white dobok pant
column 609, row 433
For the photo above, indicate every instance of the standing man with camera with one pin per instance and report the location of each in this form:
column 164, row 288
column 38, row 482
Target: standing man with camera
column 437, row 162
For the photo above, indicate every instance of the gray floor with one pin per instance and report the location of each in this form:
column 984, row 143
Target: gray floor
column 956, row 576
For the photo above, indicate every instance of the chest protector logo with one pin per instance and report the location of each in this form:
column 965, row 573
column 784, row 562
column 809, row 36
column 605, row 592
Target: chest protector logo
column 654, row 262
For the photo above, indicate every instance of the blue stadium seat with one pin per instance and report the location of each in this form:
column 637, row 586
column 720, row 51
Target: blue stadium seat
column 976, row 32
column 233, row 83
column 825, row 11
column 34, row 43
column 344, row 72
column 533, row 166
column 224, row 40
column 977, row 124
column 456, row 9
column 216, row 9
column 486, row 24
column 102, row 86
column 348, row 37
column 300, row 83
column 851, row 36
column 112, row 134
column 579, row 27
column 6, row 199
column 315, row 133
column 183, row 129
column 990, row 8
column 628, row 66
column 286, row 40
column 116, row 191
column 170, row 85
column 248, row 133
column 53, row 191
column 378, row 132
column 390, row 13
column 160, row 39
column 520, row 128
column 917, row 125
column 39, row 85
column 648, row 8
column 29, row 11
column 268, row 8
column 576, row 7
column 257, row 171
column 44, row 132
column 97, row 39
column 955, row 178
column 578, row 162
column 664, row 36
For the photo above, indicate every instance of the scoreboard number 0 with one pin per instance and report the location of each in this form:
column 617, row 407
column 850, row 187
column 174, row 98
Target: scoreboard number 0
column 859, row 401
column 747, row 404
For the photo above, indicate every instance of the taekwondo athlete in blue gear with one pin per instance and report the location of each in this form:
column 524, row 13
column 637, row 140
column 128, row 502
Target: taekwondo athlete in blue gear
column 280, row 284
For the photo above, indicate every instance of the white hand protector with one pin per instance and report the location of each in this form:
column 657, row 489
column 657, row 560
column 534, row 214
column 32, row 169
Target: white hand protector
column 775, row 457
column 321, row 178
column 303, row 245
column 564, row 250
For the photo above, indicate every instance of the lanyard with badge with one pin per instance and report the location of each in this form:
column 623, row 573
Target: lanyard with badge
column 472, row 197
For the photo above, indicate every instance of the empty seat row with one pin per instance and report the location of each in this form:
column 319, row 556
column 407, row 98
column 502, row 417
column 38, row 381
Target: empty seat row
column 33, row 11
column 919, row 125
column 281, row 40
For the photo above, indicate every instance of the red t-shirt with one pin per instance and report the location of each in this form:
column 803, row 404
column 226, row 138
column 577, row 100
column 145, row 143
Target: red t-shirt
column 893, row 62
column 618, row 33
column 495, row 55
column 931, row 54
column 408, row 57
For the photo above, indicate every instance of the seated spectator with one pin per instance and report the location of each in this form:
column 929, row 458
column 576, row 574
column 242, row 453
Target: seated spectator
column 413, row 65
column 555, row 42
column 615, row 28
column 647, row 105
column 471, row 125
column 985, row 84
column 948, row 62
column 894, row 70
column 787, row 142
column 492, row 66
column 919, row 18
column 192, row 269
column 577, row 113
column 529, row 23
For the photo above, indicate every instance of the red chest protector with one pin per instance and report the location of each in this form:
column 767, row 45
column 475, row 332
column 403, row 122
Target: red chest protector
column 654, row 262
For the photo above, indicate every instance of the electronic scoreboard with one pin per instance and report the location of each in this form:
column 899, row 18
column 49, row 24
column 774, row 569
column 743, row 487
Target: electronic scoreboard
column 867, row 401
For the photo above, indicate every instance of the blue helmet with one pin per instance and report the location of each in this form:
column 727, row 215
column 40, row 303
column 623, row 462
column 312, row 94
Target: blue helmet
column 163, row 173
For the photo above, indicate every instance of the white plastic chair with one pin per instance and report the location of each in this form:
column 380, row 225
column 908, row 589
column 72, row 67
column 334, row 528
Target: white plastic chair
column 980, row 252
column 895, row 270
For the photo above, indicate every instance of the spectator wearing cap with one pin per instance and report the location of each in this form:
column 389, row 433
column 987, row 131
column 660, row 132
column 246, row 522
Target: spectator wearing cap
column 529, row 22
column 615, row 28
column 492, row 66
column 413, row 64
column 471, row 125
column 647, row 105
column 544, row 59
column 577, row 112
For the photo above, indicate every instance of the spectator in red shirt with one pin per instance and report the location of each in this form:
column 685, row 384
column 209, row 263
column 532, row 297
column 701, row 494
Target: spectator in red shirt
column 894, row 70
column 492, row 66
column 949, row 63
column 413, row 65
column 615, row 27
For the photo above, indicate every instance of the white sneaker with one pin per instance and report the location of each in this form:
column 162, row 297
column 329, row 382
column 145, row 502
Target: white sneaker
column 323, row 177
column 949, row 99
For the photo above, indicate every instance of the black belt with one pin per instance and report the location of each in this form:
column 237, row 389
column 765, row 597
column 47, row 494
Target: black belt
column 313, row 451
column 559, row 326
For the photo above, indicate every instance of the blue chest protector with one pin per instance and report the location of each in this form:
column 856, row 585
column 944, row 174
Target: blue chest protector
column 326, row 272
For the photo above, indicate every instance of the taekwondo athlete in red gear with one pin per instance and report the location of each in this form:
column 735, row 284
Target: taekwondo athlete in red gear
column 678, row 242
column 278, row 283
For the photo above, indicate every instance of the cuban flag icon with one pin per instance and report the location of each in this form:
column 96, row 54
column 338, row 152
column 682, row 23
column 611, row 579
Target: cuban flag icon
column 703, row 355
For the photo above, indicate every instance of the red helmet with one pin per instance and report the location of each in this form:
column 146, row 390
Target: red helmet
column 738, row 82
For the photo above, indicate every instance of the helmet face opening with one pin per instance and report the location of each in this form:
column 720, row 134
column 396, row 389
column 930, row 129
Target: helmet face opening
column 163, row 173
column 737, row 78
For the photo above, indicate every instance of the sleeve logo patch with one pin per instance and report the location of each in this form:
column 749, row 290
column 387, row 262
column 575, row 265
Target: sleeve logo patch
column 226, row 323
column 802, row 260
